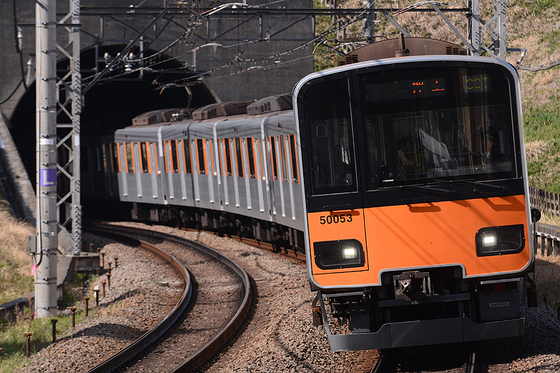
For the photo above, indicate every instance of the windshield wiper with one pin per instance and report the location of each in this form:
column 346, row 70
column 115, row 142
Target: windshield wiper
column 434, row 189
column 472, row 182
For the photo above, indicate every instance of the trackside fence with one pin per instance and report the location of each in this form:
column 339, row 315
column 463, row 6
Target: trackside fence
column 548, row 236
column 545, row 201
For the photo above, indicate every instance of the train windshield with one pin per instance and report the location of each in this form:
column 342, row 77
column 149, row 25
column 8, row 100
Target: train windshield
column 424, row 125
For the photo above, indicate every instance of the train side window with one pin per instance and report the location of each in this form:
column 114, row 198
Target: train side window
column 201, row 157
column 104, row 157
column 239, row 157
column 187, row 155
column 97, row 159
column 228, row 156
column 115, row 158
column 209, row 149
column 174, row 162
column 259, row 150
column 129, row 158
column 144, row 158
column 155, row 158
column 110, row 160
column 251, row 155
column 283, row 157
column 295, row 172
column 273, row 158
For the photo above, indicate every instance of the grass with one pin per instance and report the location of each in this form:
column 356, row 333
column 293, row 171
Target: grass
column 15, row 262
column 13, row 340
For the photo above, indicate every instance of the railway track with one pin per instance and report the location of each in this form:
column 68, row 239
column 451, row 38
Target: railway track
column 203, row 320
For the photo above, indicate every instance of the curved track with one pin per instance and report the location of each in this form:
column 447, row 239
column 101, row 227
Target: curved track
column 139, row 354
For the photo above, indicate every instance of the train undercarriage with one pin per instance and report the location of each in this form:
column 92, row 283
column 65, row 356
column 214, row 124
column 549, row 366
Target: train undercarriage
column 424, row 307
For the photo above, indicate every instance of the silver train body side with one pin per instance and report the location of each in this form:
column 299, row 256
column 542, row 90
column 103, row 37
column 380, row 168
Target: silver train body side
column 241, row 167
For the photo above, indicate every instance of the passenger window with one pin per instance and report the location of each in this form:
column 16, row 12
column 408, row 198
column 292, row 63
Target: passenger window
column 187, row 156
column 97, row 159
column 273, row 158
column 283, row 157
column 251, row 155
column 144, row 158
column 174, row 159
column 295, row 173
column 115, row 158
column 201, row 157
column 227, row 149
column 239, row 157
column 129, row 158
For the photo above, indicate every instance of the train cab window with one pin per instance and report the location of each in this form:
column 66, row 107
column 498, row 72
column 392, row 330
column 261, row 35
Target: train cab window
column 201, row 156
column 251, row 156
column 187, row 156
column 129, row 158
column 436, row 124
column 330, row 138
column 239, row 153
column 144, row 157
column 273, row 158
column 174, row 159
column 295, row 172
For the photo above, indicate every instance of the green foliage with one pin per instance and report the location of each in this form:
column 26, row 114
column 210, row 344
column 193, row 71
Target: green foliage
column 537, row 7
column 542, row 122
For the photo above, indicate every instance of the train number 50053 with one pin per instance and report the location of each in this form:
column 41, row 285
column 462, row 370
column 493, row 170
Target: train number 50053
column 335, row 219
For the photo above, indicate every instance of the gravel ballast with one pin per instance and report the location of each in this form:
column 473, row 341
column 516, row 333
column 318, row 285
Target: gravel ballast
column 279, row 335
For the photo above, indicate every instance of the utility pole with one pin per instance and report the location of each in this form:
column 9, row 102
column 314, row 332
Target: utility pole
column 47, row 219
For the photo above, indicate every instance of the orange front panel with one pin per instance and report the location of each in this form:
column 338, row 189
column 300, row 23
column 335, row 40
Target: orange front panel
column 432, row 234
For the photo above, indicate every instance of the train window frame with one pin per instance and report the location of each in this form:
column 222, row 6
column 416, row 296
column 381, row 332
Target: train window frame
column 174, row 156
column 106, row 168
column 295, row 165
column 201, row 156
column 156, row 157
column 129, row 159
column 187, row 156
column 284, row 157
column 144, row 158
column 97, row 159
column 251, row 157
column 210, row 153
column 239, row 156
column 227, row 151
column 273, row 157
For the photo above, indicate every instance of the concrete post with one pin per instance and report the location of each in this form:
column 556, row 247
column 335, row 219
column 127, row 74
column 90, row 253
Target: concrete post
column 47, row 219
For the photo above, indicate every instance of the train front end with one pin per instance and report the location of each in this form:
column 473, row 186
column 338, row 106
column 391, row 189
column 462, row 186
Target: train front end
column 418, row 224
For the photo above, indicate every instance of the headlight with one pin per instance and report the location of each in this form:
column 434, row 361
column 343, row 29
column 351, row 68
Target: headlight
column 503, row 240
column 339, row 254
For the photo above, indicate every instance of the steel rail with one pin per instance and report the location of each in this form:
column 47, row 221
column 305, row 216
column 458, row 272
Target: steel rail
column 221, row 338
column 121, row 357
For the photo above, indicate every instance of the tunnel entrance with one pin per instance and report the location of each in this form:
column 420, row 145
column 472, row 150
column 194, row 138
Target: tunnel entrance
column 114, row 101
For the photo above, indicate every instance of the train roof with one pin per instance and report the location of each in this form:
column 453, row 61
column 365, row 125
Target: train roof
column 402, row 47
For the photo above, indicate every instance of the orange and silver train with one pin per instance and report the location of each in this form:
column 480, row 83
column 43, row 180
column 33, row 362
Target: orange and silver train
column 418, row 224
column 403, row 179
